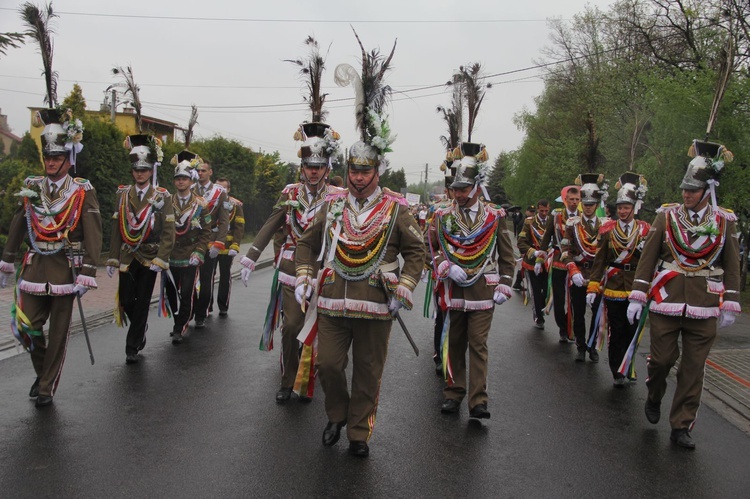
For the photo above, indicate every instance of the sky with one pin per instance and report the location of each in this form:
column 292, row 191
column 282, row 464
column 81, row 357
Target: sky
column 227, row 57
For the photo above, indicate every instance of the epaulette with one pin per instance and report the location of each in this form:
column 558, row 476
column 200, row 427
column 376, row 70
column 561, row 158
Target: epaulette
column 498, row 210
column 607, row 226
column 201, row 201
column 83, row 183
column 668, row 207
column 395, row 196
column 338, row 194
column 162, row 191
column 529, row 219
column 235, row 201
column 221, row 188
column 570, row 222
column 34, row 180
column 290, row 188
column 644, row 227
column 333, row 188
column 604, row 220
column 557, row 210
column 123, row 188
column 726, row 213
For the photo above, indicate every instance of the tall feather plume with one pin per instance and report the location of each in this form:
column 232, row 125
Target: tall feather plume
column 725, row 71
column 191, row 125
column 132, row 91
column 311, row 70
column 38, row 24
column 474, row 88
column 374, row 94
column 453, row 116
column 10, row 40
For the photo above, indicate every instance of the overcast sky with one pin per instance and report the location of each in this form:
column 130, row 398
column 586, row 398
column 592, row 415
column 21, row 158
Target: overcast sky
column 230, row 61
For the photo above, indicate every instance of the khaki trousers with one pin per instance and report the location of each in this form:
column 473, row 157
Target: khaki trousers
column 469, row 330
column 698, row 336
column 292, row 324
column 368, row 339
column 48, row 354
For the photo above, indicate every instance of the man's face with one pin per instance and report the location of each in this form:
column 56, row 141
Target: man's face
column 543, row 211
column 589, row 209
column 625, row 212
column 224, row 184
column 461, row 195
column 204, row 173
column 314, row 173
column 362, row 183
column 693, row 199
column 142, row 176
column 183, row 184
column 571, row 201
column 56, row 167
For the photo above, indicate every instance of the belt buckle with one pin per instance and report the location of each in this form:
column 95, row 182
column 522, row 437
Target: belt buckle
column 626, row 267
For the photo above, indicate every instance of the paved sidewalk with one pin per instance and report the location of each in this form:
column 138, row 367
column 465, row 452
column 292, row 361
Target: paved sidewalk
column 98, row 304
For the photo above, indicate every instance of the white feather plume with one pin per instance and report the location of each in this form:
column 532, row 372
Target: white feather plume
column 345, row 75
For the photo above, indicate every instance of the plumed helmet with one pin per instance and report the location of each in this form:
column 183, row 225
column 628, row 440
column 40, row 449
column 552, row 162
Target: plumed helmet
column 142, row 154
column 593, row 188
column 706, row 165
column 470, row 157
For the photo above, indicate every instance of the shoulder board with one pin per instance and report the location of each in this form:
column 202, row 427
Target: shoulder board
column 200, row 201
column 337, row 194
column 395, row 196
column 557, row 210
column 123, row 188
column 83, row 183
column 35, row 180
column 726, row 213
column 668, row 207
column 529, row 219
column 607, row 226
column 643, row 226
column 235, row 201
column 493, row 208
column 573, row 221
column 333, row 188
column 162, row 191
column 219, row 188
column 290, row 188
column 443, row 210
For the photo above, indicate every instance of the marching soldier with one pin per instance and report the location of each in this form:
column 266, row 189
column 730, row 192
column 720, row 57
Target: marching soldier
column 620, row 244
column 550, row 259
column 293, row 214
column 215, row 198
column 236, row 231
column 578, row 251
column 60, row 214
column 192, row 235
column 142, row 240
column 470, row 243
column 530, row 247
column 688, row 278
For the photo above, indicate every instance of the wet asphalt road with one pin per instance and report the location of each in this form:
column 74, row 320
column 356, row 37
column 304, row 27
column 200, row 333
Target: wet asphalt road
column 199, row 420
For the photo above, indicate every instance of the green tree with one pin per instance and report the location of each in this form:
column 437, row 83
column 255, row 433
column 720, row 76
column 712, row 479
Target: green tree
column 269, row 183
column 75, row 101
column 28, row 151
column 394, row 180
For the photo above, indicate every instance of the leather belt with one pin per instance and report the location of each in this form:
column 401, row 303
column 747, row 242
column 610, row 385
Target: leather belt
column 56, row 245
column 623, row 266
column 584, row 265
column 712, row 272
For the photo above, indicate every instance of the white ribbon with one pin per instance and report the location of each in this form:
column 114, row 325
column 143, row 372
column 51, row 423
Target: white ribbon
column 73, row 148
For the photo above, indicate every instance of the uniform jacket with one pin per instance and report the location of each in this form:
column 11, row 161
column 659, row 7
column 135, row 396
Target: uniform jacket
column 530, row 239
column 216, row 199
column 291, row 216
column 554, row 235
column 236, row 224
column 50, row 274
column 350, row 284
column 489, row 264
column 617, row 257
column 580, row 243
column 142, row 230
column 192, row 230
column 698, row 287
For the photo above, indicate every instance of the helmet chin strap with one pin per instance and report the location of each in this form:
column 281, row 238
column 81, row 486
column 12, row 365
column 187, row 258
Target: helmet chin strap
column 308, row 181
column 61, row 165
column 351, row 184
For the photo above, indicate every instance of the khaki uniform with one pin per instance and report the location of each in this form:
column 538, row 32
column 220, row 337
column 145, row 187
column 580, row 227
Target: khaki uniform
column 352, row 304
column 551, row 242
column 216, row 199
column 46, row 283
column 529, row 241
column 687, row 300
column 578, row 251
column 135, row 246
column 234, row 238
column 614, row 265
column 293, row 213
column 471, row 305
column 192, row 235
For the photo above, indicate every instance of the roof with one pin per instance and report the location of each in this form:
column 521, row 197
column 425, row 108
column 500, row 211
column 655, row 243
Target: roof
column 11, row 135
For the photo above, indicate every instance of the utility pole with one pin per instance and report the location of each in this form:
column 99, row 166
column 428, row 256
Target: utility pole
column 113, row 107
column 426, row 171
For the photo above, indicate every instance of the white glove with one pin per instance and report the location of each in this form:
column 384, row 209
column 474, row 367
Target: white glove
column 537, row 268
column 394, row 306
column 726, row 319
column 246, row 262
column 634, row 311
column 499, row 297
column 590, row 298
column 539, row 254
column 213, row 252
column 300, row 294
column 578, row 279
column 79, row 290
column 194, row 261
column 245, row 275
column 111, row 269
column 155, row 268
column 425, row 275
column 4, row 276
column 232, row 252
column 457, row 274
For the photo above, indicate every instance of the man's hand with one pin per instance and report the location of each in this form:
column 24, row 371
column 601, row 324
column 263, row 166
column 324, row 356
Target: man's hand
column 457, row 274
column 394, row 306
column 502, row 294
column 111, row 269
column 213, row 252
column 537, row 268
column 634, row 311
column 591, row 298
column 79, row 290
column 245, row 275
column 232, row 253
column 155, row 268
column 578, row 279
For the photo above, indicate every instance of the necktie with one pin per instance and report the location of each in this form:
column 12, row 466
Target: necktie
column 467, row 215
column 591, row 223
column 361, row 203
column 53, row 191
column 627, row 230
column 140, row 195
column 696, row 220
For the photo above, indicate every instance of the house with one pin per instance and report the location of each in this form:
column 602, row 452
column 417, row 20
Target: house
column 7, row 138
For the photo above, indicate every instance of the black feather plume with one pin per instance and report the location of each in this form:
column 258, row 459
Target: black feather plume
column 38, row 24
column 132, row 91
column 311, row 70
